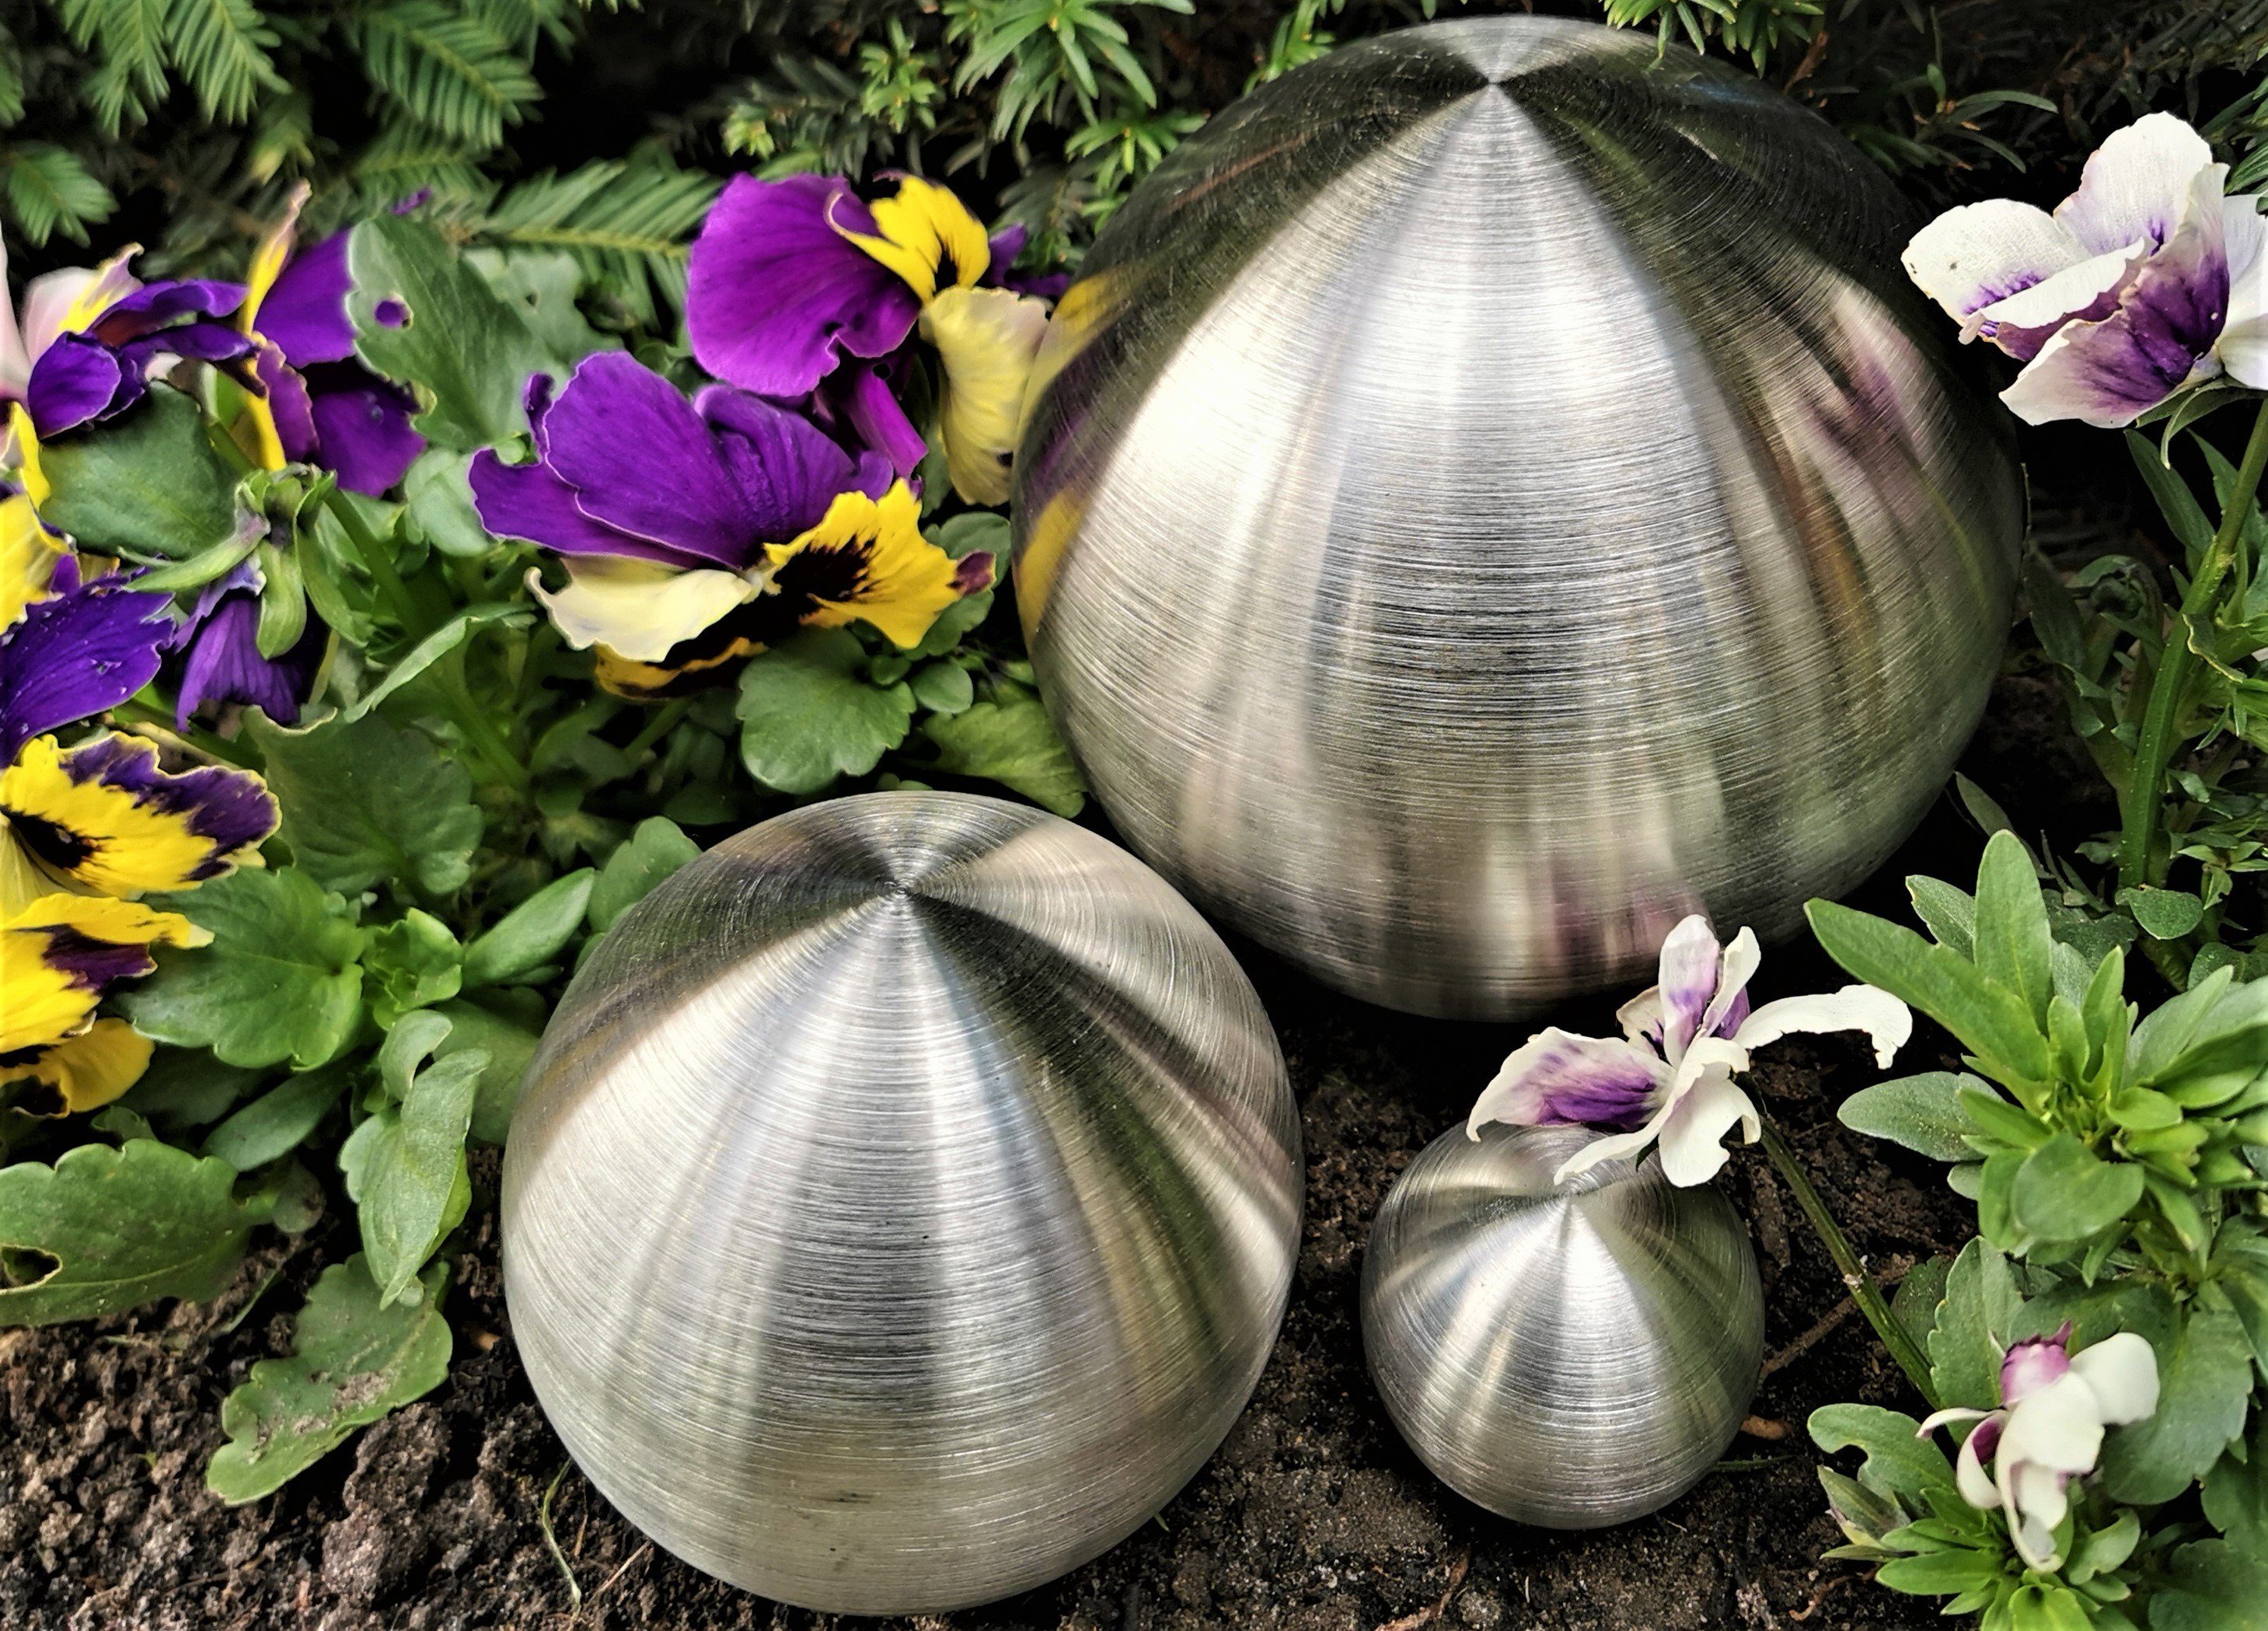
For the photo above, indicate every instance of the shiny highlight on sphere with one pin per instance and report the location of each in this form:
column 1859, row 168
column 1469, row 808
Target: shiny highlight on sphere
column 1570, row 1356
column 1489, row 495
column 902, row 1204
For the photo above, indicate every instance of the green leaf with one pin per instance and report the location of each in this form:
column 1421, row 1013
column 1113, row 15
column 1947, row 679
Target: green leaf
column 2204, row 1380
column 146, row 483
column 1948, row 913
column 1899, row 1465
column 655, row 849
column 2065, row 1191
column 943, row 687
column 405, row 1171
column 466, row 354
column 1916, row 1301
column 279, row 1120
column 279, row 982
column 532, row 933
column 2012, row 945
column 440, row 503
column 1939, row 1574
column 1991, row 1020
column 809, row 715
column 188, row 1088
column 48, row 189
column 508, row 1048
column 109, row 1229
column 1014, row 744
column 355, row 1357
column 2164, row 914
column 1973, row 1325
column 365, row 803
column 450, row 69
column 411, row 964
column 432, row 648
column 1922, row 1112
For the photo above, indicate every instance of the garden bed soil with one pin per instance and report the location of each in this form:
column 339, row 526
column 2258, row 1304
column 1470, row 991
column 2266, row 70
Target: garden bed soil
column 1313, row 1516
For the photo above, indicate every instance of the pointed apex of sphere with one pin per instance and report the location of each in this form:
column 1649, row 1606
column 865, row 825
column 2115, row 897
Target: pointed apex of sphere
column 903, row 1203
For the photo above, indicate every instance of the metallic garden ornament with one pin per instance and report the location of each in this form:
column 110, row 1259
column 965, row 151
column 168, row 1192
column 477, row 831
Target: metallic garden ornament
column 902, row 1204
column 1489, row 496
column 1573, row 1354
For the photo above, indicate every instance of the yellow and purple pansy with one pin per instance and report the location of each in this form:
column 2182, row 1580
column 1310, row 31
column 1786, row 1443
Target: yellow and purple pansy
column 796, row 288
column 697, row 533
column 86, row 830
column 97, row 366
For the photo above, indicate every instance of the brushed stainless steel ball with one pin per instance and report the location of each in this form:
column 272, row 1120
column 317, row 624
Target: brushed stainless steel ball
column 1488, row 496
column 1571, row 1355
column 902, row 1204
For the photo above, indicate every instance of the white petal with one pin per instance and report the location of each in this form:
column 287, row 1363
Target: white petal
column 1970, row 257
column 1693, row 1138
column 2135, row 184
column 2243, row 347
column 1641, row 1016
column 2060, row 1427
column 2021, row 324
column 1970, row 1476
column 1937, row 1419
column 2122, row 1372
column 1690, row 960
column 640, row 608
column 1886, row 1021
column 1741, row 961
column 1557, row 1078
column 2042, row 1500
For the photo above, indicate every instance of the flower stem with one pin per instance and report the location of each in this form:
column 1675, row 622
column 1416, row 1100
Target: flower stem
column 378, row 562
column 663, row 721
column 1863, row 1291
column 158, row 722
column 2153, row 750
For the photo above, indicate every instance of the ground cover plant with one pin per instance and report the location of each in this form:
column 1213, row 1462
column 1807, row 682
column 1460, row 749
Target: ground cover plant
column 355, row 681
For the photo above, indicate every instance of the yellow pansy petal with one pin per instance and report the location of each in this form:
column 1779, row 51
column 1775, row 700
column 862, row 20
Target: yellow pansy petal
column 867, row 559
column 23, row 451
column 28, row 554
column 653, row 681
column 60, row 953
column 638, row 609
column 104, row 817
column 986, row 339
column 110, row 283
column 927, row 237
column 268, row 260
column 81, row 1072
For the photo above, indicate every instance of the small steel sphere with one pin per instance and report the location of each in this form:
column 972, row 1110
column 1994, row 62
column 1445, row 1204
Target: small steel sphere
column 902, row 1204
column 1490, row 493
column 1571, row 1356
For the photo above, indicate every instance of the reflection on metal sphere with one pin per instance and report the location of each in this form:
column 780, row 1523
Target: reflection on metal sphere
column 902, row 1204
column 1488, row 496
column 1571, row 1356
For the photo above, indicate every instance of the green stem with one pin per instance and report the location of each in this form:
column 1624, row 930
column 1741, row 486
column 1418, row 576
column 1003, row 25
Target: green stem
column 1863, row 1291
column 134, row 710
column 380, row 563
column 663, row 721
column 2154, row 748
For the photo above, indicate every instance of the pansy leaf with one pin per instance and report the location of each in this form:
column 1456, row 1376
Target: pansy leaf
column 1922, row 1112
column 809, row 715
column 355, row 1356
column 279, row 1120
column 280, row 980
column 411, row 964
column 425, row 319
column 1899, row 1463
column 147, row 484
column 1990, row 1020
column 188, row 1088
column 2065, row 1191
column 1948, row 913
column 2205, row 1381
column 2164, row 914
column 405, row 1171
column 106, row 1229
column 507, row 1046
column 432, row 648
column 1916, row 1299
column 656, row 848
column 532, row 933
column 1973, row 1324
column 365, row 803
column 2012, row 947
column 441, row 505
column 1014, row 743
column 953, row 625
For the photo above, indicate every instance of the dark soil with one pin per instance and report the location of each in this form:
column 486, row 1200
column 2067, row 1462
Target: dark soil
column 1313, row 1516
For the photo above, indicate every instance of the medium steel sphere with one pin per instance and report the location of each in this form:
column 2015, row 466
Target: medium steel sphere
column 1490, row 494
column 902, row 1204
column 1572, row 1355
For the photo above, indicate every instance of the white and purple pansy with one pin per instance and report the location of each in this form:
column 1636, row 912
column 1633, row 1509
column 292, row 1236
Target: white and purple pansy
column 2054, row 1406
column 1668, row 1078
column 2143, row 282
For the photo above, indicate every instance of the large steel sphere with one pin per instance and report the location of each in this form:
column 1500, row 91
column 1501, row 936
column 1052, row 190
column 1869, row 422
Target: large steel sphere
column 1489, row 495
column 902, row 1204
column 1573, row 1354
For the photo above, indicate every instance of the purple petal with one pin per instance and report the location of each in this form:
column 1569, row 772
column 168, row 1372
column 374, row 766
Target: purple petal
column 874, row 415
column 153, row 306
column 643, row 462
column 76, row 654
column 1557, row 1079
column 225, row 665
column 305, row 311
column 1985, row 1437
column 74, row 381
column 91, row 963
column 775, row 295
column 788, row 470
column 1006, row 245
column 288, row 403
column 1690, row 963
column 201, row 341
column 228, row 808
column 530, row 501
column 363, row 428
column 2027, row 1367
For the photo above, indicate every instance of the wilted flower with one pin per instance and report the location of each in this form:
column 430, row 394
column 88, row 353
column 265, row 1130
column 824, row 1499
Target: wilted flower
column 2054, row 1405
column 85, row 830
column 2124, row 295
column 789, row 278
column 698, row 533
column 319, row 406
column 1669, row 1076
column 222, row 660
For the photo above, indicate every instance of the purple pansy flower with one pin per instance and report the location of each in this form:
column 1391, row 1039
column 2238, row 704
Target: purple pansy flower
column 84, row 649
column 1668, row 1077
column 94, row 372
column 2143, row 282
column 2054, row 1406
column 223, row 663
column 325, row 408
